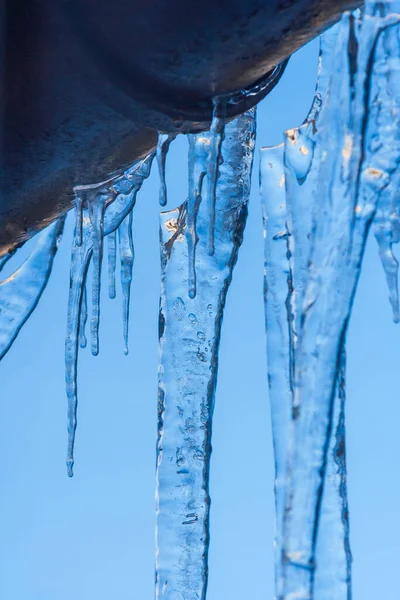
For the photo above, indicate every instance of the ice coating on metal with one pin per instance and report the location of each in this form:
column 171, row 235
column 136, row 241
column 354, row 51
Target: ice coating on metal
column 355, row 158
column 189, row 340
column 101, row 208
column 21, row 291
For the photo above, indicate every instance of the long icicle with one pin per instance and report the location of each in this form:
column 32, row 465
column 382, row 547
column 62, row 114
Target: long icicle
column 189, row 342
column 124, row 191
column 277, row 285
column 352, row 174
column 21, row 291
column 333, row 556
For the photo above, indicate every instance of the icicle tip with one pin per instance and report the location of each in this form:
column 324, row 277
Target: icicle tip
column 70, row 467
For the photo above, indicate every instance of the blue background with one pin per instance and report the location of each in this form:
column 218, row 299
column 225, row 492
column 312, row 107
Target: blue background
column 93, row 536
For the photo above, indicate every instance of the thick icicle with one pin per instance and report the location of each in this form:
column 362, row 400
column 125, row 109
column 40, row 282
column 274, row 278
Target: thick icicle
column 387, row 218
column 164, row 142
column 214, row 160
column 277, row 285
column 112, row 262
column 333, row 557
column 21, row 291
column 123, row 191
column 356, row 158
column 127, row 255
column 287, row 199
column 189, row 341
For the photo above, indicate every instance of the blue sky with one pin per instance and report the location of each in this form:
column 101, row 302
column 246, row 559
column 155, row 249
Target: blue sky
column 93, row 536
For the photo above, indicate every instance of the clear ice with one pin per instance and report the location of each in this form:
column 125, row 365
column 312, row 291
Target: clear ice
column 101, row 209
column 338, row 173
column 189, row 332
column 21, row 291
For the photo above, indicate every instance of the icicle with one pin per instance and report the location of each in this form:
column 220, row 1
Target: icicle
column 189, row 340
column 21, row 291
column 355, row 163
column 198, row 155
column 287, row 246
column 80, row 258
column 387, row 219
column 112, row 262
column 127, row 255
column 164, row 142
column 83, row 319
column 333, row 557
column 121, row 193
column 214, row 160
column 277, row 285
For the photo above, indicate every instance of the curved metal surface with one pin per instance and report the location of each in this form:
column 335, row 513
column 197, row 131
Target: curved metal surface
column 86, row 85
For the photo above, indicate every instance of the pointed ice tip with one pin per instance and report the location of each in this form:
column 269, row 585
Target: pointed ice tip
column 396, row 317
column 70, row 467
column 126, row 350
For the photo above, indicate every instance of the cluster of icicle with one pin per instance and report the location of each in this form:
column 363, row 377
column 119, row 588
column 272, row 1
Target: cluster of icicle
column 103, row 209
column 321, row 191
column 331, row 180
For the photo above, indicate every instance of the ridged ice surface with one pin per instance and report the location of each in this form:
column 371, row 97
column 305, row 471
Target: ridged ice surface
column 101, row 210
column 190, row 323
column 340, row 172
column 21, row 291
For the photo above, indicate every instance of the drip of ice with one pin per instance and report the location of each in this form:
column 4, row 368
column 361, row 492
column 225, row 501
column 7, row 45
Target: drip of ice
column 354, row 158
column 189, row 340
column 101, row 209
column 214, row 160
column 112, row 262
column 164, row 142
column 21, row 291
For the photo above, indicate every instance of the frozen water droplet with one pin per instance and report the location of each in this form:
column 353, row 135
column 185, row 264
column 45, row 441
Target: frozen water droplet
column 201, row 335
column 192, row 318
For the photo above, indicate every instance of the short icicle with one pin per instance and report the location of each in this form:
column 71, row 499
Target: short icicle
column 213, row 163
column 164, row 142
column 21, row 291
column 189, row 330
column 112, row 262
column 127, row 255
column 198, row 155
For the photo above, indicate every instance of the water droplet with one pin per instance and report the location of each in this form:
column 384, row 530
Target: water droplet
column 201, row 335
column 210, row 309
